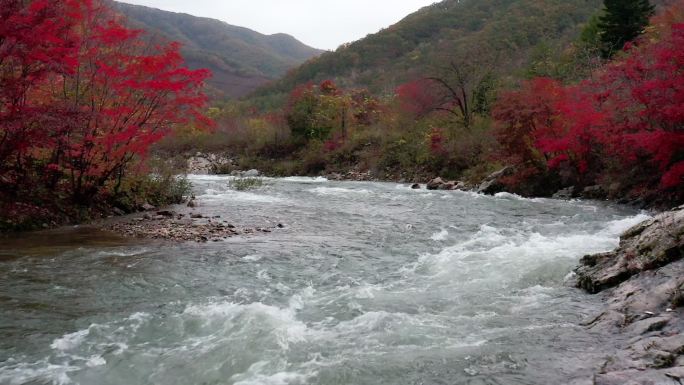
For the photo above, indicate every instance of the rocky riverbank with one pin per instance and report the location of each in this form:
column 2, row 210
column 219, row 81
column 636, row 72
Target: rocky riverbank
column 643, row 285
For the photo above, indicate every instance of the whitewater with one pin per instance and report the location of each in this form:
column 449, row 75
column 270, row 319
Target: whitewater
column 366, row 283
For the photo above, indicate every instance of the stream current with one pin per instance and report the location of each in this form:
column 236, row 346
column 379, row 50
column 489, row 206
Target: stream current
column 367, row 283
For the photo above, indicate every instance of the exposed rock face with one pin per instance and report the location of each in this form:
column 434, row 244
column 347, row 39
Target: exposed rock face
column 204, row 164
column 647, row 246
column 642, row 281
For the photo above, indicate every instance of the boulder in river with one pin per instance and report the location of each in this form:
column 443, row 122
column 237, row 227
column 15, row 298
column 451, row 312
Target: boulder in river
column 492, row 184
column 435, row 183
column 416, row 186
column 566, row 193
column 594, row 192
column 251, row 173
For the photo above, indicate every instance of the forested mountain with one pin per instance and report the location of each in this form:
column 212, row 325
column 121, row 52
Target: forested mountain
column 240, row 59
column 510, row 33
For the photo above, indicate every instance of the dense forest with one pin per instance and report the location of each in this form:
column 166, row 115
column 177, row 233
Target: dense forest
column 562, row 94
column 462, row 89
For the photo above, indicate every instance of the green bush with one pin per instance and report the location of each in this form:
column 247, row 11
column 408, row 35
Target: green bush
column 244, row 184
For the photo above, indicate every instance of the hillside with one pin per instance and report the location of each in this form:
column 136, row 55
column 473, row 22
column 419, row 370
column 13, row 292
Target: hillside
column 515, row 32
column 241, row 59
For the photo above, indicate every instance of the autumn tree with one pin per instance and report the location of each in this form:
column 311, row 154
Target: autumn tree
column 316, row 112
column 84, row 97
column 462, row 89
column 37, row 41
column 624, row 125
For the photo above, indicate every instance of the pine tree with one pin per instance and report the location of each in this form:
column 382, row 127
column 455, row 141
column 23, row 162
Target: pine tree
column 623, row 21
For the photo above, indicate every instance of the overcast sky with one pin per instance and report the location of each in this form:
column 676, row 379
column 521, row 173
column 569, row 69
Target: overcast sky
column 322, row 24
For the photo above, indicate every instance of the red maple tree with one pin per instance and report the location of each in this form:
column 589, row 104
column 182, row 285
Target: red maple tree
column 627, row 120
column 87, row 96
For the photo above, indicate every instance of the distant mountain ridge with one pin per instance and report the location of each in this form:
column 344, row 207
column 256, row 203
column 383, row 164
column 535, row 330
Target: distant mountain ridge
column 520, row 35
column 516, row 31
column 241, row 59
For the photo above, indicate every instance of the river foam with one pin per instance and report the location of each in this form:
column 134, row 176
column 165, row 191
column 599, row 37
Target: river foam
column 367, row 283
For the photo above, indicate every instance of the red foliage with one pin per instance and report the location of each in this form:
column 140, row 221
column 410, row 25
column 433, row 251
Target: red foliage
column 328, row 87
column 418, row 97
column 36, row 41
column 631, row 112
column 100, row 93
column 524, row 116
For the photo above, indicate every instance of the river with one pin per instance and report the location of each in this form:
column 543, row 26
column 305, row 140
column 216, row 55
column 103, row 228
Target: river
column 367, row 283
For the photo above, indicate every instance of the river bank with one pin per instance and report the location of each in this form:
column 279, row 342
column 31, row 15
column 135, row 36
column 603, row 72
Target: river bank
column 487, row 179
column 642, row 285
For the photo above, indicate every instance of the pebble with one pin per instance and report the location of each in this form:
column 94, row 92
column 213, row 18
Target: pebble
column 174, row 228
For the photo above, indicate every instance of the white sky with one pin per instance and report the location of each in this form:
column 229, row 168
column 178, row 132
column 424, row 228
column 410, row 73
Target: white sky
column 322, row 24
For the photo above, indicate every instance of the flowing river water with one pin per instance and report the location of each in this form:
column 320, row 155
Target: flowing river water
column 367, row 283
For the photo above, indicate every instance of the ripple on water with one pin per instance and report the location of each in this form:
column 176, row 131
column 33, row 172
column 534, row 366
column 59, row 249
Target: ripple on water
column 346, row 294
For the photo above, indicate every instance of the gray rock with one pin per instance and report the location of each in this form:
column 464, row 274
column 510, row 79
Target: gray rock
column 646, row 246
column 492, row 184
column 566, row 193
column 416, row 186
column 435, row 183
column 147, row 207
column 118, row 211
column 594, row 192
column 251, row 173
column 640, row 280
column 166, row 213
column 648, row 325
column 192, row 203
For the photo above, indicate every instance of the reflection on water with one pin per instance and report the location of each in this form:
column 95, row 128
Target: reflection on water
column 57, row 241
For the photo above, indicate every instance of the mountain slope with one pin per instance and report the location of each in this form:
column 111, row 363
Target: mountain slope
column 510, row 30
column 241, row 59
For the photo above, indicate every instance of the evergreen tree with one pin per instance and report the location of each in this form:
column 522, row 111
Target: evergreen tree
column 623, row 21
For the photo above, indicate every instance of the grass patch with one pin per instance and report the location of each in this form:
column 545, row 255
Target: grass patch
column 245, row 184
